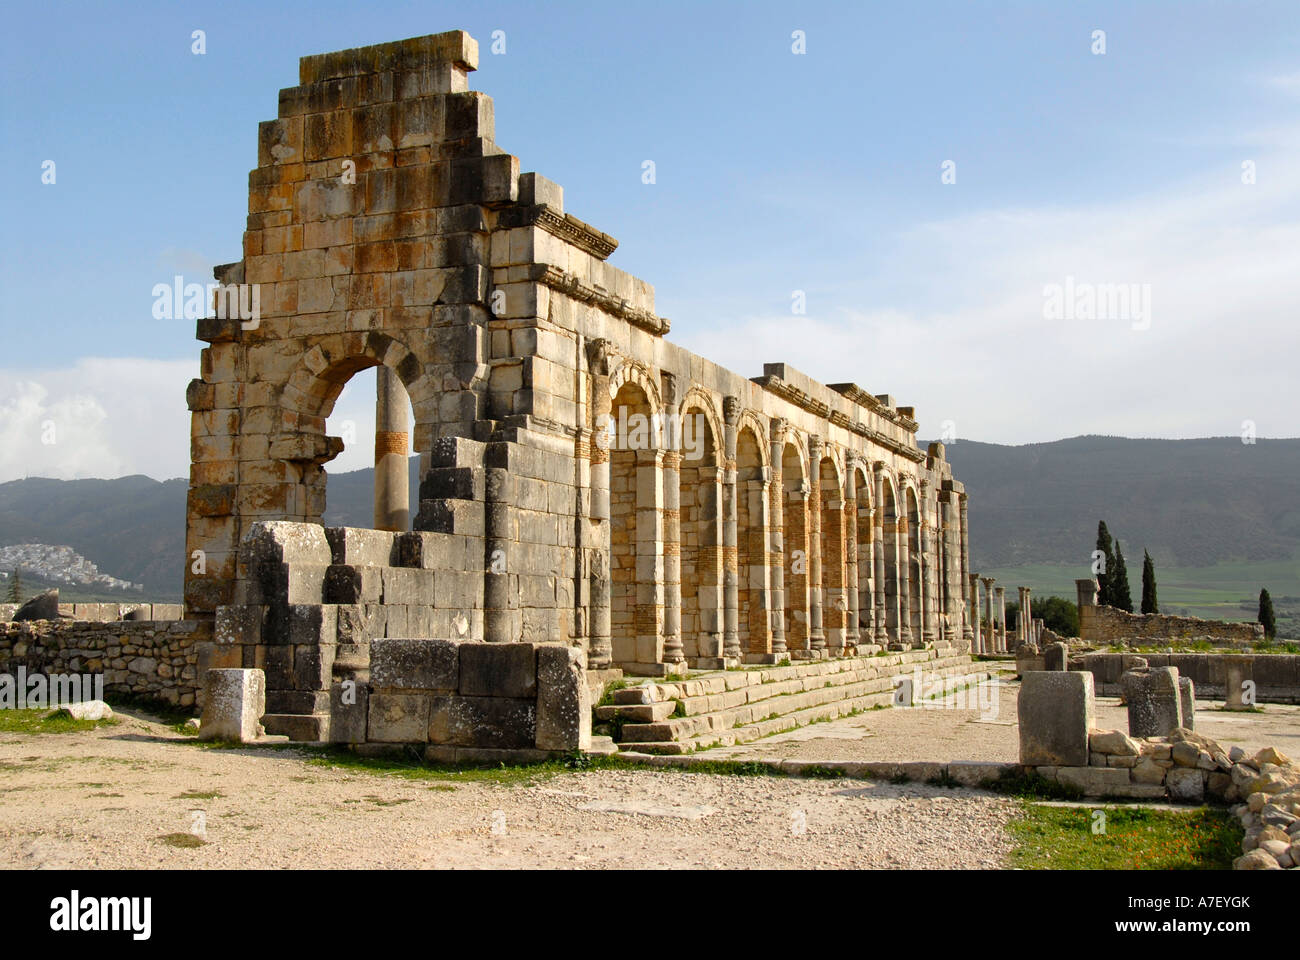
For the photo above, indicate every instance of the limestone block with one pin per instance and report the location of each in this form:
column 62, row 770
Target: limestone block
column 1056, row 712
column 414, row 664
column 345, row 583
column 1154, row 702
column 398, row 718
column 1093, row 781
column 282, row 541
column 1187, row 701
column 563, row 699
column 1056, row 656
column 405, row 585
column 234, row 701
column 349, row 707
column 1186, row 784
column 361, row 547
column 491, row 722
column 498, row 670
column 1112, row 742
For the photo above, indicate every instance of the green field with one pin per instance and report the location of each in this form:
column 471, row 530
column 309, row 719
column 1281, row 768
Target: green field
column 1225, row 591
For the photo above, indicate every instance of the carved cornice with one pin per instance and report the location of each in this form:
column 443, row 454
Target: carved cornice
column 569, row 285
column 802, row 400
column 565, row 226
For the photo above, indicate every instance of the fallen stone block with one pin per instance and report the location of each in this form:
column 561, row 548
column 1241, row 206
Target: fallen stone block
column 1056, row 712
column 234, row 702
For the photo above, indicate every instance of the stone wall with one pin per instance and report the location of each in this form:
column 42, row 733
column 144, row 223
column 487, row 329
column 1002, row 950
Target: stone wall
column 106, row 612
column 1100, row 624
column 1276, row 676
column 159, row 659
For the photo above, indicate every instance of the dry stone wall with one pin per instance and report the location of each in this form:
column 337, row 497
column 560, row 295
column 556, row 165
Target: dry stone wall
column 1276, row 676
column 157, row 659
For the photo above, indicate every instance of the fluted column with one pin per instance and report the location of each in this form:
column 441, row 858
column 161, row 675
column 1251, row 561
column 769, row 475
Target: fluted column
column 730, row 560
column 1001, row 619
column 951, row 588
column 777, row 556
column 973, row 613
column 1027, row 614
column 929, row 608
column 990, row 626
column 673, row 650
column 878, row 553
column 600, row 653
column 851, row 557
column 967, row 577
column 816, row 630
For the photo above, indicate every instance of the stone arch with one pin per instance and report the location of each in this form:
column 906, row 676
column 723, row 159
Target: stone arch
column 889, row 508
column 915, row 611
column 835, row 603
column 864, row 510
column 754, row 630
column 298, row 448
column 794, row 539
column 636, row 531
column 632, row 371
column 701, row 532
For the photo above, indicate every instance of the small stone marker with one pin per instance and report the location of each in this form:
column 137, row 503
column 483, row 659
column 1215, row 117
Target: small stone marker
column 1056, row 712
column 1238, row 672
column 233, row 705
column 1056, row 656
column 1187, row 701
column 1154, row 702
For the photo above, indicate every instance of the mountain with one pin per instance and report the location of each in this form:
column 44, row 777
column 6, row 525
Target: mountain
column 1191, row 503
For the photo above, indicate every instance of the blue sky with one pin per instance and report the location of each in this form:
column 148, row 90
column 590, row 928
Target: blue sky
column 776, row 172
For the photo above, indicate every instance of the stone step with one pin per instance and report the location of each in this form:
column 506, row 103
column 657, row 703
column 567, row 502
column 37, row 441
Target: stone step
column 602, row 746
column 310, row 727
column 749, row 732
column 637, row 712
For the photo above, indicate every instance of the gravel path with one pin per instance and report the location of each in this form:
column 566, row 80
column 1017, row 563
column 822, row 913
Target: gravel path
column 105, row 798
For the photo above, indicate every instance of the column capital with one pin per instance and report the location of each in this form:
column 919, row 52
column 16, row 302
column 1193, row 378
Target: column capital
column 815, row 445
column 777, row 428
column 670, row 393
column 731, row 410
column 599, row 356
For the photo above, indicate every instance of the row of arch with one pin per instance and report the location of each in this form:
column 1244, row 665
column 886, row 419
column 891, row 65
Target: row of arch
column 821, row 551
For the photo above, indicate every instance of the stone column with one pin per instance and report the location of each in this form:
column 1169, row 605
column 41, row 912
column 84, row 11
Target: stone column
column 1002, row 620
column 649, row 618
column 499, row 620
column 392, row 446
column 776, row 559
column 929, row 606
column 904, row 534
column 816, row 631
column 730, row 560
column 973, row 613
column 969, row 602
column 600, row 653
column 990, row 645
column 710, row 567
column 673, row 650
column 851, row 556
column 951, row 562
column 878, row 553
column 1027, row 615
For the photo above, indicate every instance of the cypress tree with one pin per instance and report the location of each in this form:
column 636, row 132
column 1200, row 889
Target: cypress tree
column 1105, row 596
column 15, row 588
column 1149, row 604
column 1119, row 588
column 1266, row 614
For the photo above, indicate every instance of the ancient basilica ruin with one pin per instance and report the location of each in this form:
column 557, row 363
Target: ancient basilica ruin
column 585, row 482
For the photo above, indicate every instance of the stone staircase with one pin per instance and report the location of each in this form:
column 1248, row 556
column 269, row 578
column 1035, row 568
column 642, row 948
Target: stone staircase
column 723, row 708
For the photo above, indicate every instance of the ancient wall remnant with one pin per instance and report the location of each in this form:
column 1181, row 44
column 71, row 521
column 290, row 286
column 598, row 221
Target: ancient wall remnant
column 584, row 480
column 1099, row 624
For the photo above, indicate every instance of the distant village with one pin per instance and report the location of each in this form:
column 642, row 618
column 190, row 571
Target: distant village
column 59, row 565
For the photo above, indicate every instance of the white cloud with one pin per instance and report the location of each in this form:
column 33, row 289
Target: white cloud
column 1222, row 260
column 97, row 418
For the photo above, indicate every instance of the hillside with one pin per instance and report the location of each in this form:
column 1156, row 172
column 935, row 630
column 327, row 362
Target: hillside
column 1195, row 504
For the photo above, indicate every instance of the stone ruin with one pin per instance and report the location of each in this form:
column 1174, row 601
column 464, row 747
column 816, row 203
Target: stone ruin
column 585, row 482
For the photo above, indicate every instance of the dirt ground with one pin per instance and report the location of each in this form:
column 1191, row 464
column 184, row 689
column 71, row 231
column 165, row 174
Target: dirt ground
column 122, row 795
column 108, row 797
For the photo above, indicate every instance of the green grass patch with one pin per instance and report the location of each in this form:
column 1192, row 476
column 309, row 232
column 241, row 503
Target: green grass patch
column 35, row 721
column 1135, row 838
column 183, row 840
column 198, row 795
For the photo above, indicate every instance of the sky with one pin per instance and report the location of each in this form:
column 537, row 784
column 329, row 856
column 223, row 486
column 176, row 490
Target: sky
column 944, row 186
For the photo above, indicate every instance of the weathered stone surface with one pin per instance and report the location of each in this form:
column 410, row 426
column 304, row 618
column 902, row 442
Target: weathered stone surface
column 498, row 670
column 1093, row 781
column 1056, row 656
column 398, row 718
column 1056, row 714
column 1186, row 784
column 490, row 722
column 1255, row 860
column 414, row 664
column 233, row 705
column 563, row 699
column 1112, row 742
column 1154, row 702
